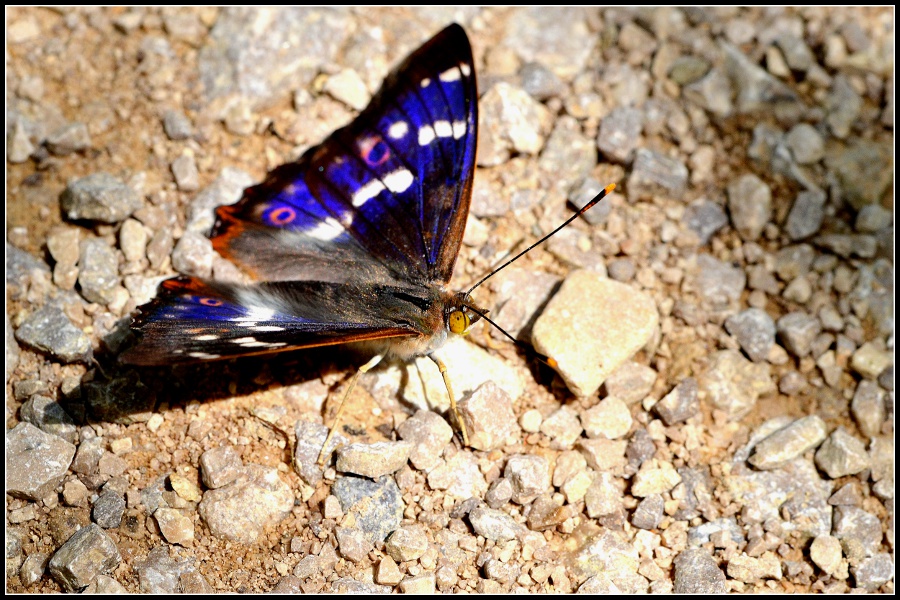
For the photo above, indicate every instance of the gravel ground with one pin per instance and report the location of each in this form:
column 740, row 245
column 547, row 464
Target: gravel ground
column 722, row 416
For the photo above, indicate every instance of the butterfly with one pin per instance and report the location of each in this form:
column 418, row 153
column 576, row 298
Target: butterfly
column 354, row 242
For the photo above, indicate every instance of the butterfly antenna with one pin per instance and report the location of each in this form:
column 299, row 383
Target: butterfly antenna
column 603, row 193
column 523, row 345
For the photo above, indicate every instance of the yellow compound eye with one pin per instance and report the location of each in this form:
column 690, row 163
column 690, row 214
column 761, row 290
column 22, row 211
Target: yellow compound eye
column 458, row 321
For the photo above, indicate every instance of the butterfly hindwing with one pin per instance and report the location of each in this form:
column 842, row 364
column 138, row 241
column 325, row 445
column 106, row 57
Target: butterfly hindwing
column 391, row 189
column 191, row 320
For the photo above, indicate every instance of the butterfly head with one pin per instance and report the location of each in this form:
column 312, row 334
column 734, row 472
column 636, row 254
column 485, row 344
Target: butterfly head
column 462, row 313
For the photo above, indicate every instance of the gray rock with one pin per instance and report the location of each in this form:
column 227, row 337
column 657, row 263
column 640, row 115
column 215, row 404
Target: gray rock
column 99, row 197
column 754, row 330
column 184, row 169
column 241, row 510
column 540, row 82
column 429, row 434
column 220, row 466
column 680, row 404
column 494, row 524
column 69, row 139
column 133, row 240
column 529, row 476
column 488, row 414
column 734, row 384
column 757, row 90
column 310, row 439
column 873, row 218
column 719, row 284
column 687, row 69
column 460, row 476
column 843, row 105
column 750, row 205
column 352, row 543
column 18, row 143
column 376, row 505
column 510, row 121
column 848, row 245
column 87, row 554
column 160, row 574
column 499, row 493
column 860, row 532
column 788, row 443
column 562, row 427
column 655, row 174
column 805, row 218
column 868, row 408
column 872, row 573
column 864, row 169
column 631, row 382
column 793, row 261
column 33, row 568
column 805, row 143
column 649, row 512
column 98, row 273
column 49, row 330
column 406, row 543
column 176, row 125
column 373, row 460
column 193, row 255
column 294, row 45
column 842, row 454
column 36, row 462
column 705, row 532
column 712, row 92
column 564, row 44
column 46, row 414
column 696, row 572
column 603, row 500
column 108, row 509
column 797, row 331
column 568, row 154
column 705, row 218
column 620, row 133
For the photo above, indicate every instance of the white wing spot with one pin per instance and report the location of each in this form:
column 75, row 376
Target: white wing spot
column 398, row 130
column 206, row 338
column 327, row 230
column 425, row 82
column 426, row 135
column 443, row 128
column 459, row 129
column 367, row 192
column 204, row 355
column 267, row 328
column 399, row 181
column 252, row 342
column 451, row 74
column 465, row 68
column 255, row 313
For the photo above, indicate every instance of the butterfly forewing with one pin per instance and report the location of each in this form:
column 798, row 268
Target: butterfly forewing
column 350, row 243
column 392, row 187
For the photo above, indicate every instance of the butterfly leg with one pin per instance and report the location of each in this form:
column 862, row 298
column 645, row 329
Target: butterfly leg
column 462, row 424
column 337, row 418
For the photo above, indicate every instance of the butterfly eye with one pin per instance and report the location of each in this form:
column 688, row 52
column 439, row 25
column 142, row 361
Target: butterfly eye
column 458, row 321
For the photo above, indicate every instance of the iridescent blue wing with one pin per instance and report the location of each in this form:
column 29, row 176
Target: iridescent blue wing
column 383, row 199
column 191, row 321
